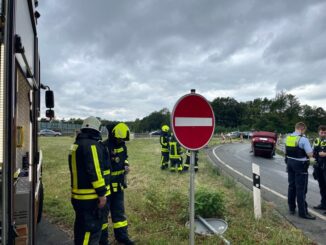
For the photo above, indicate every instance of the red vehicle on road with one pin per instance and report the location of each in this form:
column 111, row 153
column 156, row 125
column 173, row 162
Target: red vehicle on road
column 263, row 143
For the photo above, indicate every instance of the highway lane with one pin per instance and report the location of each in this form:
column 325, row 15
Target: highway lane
column 236, row 160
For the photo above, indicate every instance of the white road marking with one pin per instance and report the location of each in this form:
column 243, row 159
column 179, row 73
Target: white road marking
column 263, row 186
column 193, row 121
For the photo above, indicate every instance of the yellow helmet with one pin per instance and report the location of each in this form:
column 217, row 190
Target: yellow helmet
column 165, row 128
column 121, row 131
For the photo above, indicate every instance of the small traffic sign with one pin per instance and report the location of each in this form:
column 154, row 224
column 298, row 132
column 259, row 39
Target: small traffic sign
column 193, row 121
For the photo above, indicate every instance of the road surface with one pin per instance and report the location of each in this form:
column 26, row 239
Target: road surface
column 50, row 234
column 236, row 160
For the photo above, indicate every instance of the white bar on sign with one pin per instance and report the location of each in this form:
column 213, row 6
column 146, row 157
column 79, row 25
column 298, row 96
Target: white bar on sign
column 193, row 121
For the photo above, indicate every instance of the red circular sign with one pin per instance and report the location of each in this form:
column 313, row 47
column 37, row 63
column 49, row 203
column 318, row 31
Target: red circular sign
column 193, row 121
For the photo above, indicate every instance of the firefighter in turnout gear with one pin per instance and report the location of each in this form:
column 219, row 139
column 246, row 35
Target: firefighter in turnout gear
column 89, row 167
column 320, row 168
column 186, row 165
column 164, row 141
column 175, row 155
column 118, row 134
column 297, row 153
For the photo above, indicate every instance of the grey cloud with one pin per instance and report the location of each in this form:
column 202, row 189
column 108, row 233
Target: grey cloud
column 134, row 57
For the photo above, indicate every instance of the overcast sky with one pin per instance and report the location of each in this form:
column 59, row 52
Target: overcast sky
column 121, row 60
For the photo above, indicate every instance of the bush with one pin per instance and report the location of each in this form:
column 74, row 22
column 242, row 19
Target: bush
column 209, row 204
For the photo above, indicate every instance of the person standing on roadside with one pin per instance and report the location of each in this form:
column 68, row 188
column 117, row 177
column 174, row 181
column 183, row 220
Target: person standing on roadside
column 320, row 168
column 119, row 133
column 87, row 163
column 297, row 153
column 164, row 141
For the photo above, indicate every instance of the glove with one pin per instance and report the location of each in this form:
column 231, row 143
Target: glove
column 312, row 161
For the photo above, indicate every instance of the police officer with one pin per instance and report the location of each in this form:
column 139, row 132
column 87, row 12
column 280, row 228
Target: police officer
column 320, row 168
column 297, row 154
column 175, row 155
column 118, row 134
column 87, row 163
column 187, row 162
column 164, row 141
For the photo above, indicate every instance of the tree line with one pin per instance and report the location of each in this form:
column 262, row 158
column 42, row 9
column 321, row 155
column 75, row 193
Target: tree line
column 278, row 114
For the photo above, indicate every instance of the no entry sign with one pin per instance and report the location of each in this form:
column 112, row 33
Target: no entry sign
column 193, row 121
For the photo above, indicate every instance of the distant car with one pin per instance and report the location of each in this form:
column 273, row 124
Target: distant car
column 247, row 134
column 48, row 132
column 233, row 135
column 156, row 132
column 263, row 143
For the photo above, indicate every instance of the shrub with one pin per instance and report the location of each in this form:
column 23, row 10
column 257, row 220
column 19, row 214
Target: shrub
column 209, row 203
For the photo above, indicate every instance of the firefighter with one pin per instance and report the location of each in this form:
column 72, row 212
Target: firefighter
column 320, row 168
column 175, row 155
column 164, row 141
column 186, row 165
column 118, row 134
column 297, row 153
column 88, row 161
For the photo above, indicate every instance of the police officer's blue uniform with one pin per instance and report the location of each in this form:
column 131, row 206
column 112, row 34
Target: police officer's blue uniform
column 297, row 146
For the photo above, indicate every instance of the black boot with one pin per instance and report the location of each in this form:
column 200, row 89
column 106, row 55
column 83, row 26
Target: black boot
column 126, row 241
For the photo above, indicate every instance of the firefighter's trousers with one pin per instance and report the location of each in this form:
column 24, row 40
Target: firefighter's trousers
column 186, row 165
column 164, row 160
column 176, row 164
column 88, row 226
column 119, row 220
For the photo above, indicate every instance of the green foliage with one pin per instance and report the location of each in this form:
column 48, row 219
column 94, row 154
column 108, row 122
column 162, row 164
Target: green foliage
column 229, row 182
column 277, row 114
column 154, row 121
column 244, row 199
column 209, row 203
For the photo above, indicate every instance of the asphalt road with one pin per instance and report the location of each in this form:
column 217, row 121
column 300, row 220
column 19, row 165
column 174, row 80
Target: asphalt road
column 236, row 160
column 50, row 234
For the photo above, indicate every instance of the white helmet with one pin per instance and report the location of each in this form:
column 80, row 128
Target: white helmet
column 91, row 123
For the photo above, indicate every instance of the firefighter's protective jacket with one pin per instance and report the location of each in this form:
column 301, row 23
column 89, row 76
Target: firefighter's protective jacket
column 119, row 160
column 164, row 141
column 89, row 168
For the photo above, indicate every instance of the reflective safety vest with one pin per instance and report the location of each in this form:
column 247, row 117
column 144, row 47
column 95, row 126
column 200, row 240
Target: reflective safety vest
column 319, row 146
column 320, row 143
column 164, row 141
column 292, row 148
column 89, row 166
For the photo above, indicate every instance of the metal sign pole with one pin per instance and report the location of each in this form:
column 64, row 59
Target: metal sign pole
column 192, row 198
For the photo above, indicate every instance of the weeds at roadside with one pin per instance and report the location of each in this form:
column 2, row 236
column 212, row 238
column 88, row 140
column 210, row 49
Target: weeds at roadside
column 229, row 182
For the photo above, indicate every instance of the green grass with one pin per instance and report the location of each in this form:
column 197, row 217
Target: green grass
column 157, row 201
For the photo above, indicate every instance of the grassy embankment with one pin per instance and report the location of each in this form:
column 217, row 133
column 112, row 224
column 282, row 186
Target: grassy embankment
column 157, row 201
